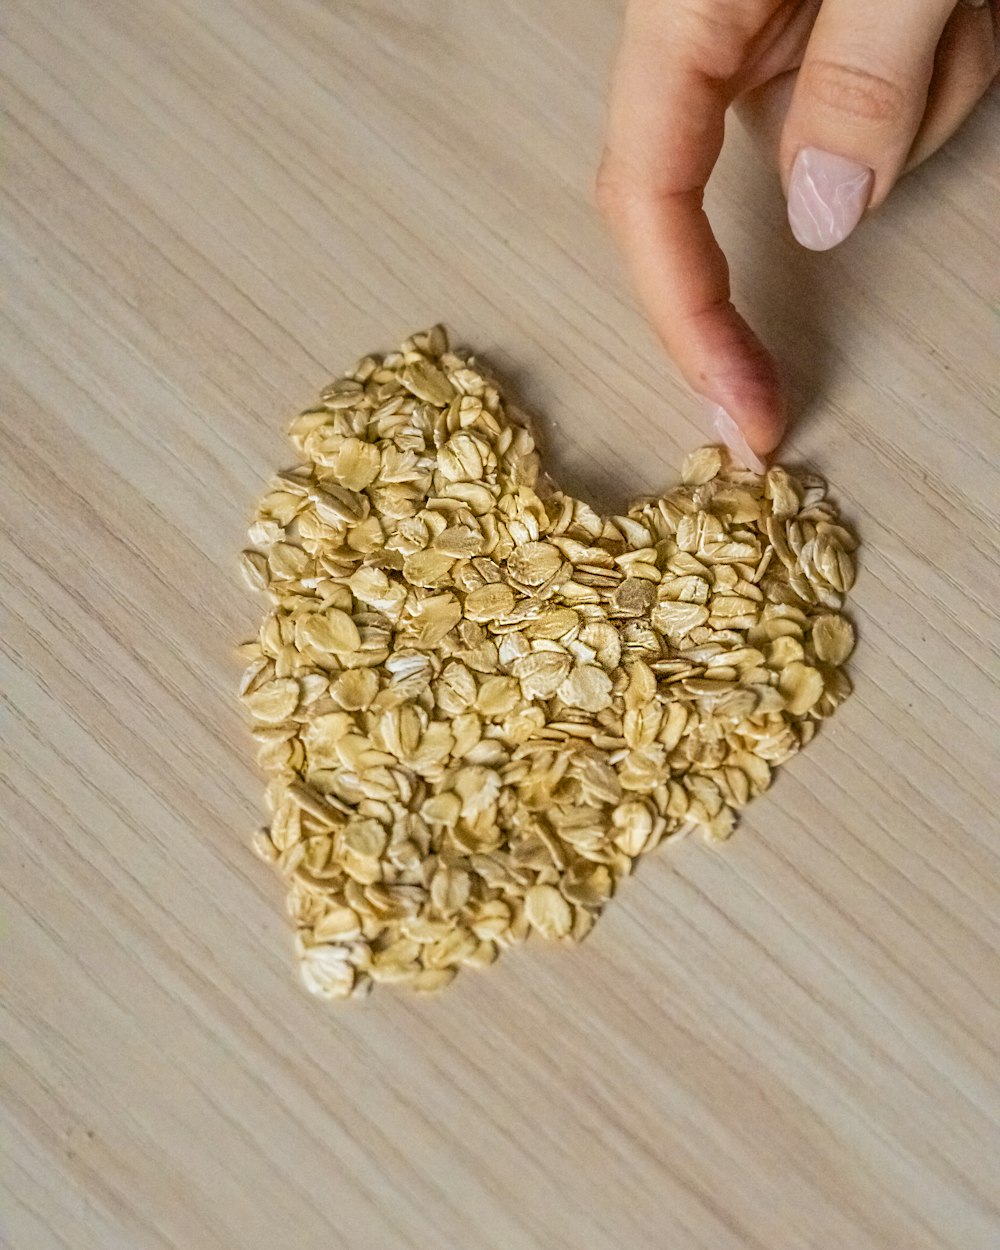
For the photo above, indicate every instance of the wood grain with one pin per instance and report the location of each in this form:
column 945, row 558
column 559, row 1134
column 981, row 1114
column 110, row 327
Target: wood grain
column 211, row 206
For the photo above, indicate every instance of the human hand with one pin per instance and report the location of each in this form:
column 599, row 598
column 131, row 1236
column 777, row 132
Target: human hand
column 847, row 93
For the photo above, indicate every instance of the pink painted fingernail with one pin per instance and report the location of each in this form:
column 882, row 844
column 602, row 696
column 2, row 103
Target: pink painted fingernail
column 827, row 195
column 728, row 432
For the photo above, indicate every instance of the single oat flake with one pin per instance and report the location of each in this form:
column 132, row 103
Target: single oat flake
column 479, row 702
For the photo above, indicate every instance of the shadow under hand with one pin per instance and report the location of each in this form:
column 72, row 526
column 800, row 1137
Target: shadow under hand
column 607, row 472
column 788, row 295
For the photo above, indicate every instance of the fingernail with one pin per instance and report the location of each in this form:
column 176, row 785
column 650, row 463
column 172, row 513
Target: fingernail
column 827, row 195
column 729, row 432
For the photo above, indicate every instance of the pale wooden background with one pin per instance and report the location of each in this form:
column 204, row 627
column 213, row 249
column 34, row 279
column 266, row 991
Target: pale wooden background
column 209, row 207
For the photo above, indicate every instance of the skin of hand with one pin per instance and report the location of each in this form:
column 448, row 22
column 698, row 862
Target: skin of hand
column 847, row 95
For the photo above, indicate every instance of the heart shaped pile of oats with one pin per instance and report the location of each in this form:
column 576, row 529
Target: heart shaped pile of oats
column 480, row 702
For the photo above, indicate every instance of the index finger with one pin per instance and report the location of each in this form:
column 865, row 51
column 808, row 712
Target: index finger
column 665, row 130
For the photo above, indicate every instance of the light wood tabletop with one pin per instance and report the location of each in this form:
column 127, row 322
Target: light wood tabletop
column 211, row 207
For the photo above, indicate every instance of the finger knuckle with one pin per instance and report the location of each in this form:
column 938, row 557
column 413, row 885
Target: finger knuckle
column 857, row 94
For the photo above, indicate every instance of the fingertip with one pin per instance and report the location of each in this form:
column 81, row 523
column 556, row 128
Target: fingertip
column 725, row 429
column 745, row 385
column 751, row 433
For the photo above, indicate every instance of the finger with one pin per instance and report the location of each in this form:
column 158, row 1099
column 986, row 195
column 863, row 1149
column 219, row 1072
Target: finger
column 665, row 132
column 858, row 102
column 968, row 61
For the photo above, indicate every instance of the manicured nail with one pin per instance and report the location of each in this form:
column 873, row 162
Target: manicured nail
column 827, row 195
column 729, row 432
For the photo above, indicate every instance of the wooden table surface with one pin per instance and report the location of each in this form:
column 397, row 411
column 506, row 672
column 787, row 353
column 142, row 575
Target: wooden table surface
column 209, row 208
